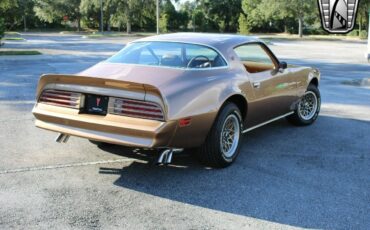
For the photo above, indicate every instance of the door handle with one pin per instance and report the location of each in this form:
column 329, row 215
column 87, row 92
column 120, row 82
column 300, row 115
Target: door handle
column 257, row 84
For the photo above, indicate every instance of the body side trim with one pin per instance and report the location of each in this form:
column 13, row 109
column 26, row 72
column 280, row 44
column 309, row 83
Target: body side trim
column 267, row 122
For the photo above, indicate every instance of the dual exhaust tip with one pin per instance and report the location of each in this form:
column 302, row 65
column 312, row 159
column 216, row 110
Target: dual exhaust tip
column 62, row 138
column 165, row 158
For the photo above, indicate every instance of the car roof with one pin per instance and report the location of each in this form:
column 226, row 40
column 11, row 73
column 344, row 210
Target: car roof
column 219, row 41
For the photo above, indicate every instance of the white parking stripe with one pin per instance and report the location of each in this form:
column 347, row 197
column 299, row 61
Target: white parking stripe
column 28, row 169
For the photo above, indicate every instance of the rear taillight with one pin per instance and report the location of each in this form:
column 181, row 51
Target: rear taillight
column 134, row 108
column 61, row 98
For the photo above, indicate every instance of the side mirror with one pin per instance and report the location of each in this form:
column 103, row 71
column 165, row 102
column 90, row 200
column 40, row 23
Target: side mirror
column 283, row 65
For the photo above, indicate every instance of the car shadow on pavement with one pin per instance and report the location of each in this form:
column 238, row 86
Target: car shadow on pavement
column 298, row 176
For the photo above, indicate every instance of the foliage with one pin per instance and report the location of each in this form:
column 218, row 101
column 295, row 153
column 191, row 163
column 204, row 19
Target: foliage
column 119, row 13
column 2, row 28
column 288, row 10
column 7, row 4
column 163, row 23
column 55, row 10
column 363, row 34
column 225, row 13
column 251, row 16
column 353, row 33
column 244, row 16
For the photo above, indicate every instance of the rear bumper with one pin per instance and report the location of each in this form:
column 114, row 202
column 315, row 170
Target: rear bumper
column 128, row 131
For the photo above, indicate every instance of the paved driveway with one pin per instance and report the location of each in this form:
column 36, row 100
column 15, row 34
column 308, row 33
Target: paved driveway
column 285, row 177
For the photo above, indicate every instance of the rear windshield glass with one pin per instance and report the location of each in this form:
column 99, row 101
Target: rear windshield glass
column 169, row 54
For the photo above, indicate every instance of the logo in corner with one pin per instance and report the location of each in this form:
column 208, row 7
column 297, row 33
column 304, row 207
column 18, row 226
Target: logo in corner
column 338, row 16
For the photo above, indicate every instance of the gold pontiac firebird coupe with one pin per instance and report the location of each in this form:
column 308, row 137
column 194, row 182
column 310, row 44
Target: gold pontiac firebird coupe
column 177, row 91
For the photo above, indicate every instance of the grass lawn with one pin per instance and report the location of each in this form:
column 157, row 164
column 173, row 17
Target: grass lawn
column 19, row 52
column 13, row 39
column 306, row 37
column 117, row 34
column 13, row 33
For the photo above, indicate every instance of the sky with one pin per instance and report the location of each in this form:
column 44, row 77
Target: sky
column 178, row 4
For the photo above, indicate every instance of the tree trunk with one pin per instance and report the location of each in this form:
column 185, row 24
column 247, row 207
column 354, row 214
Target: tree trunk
column 128, row 23
column 285, row 29
column 78, row 24
column 300, row 27
column 128, row 27
column 25, row 23
column 360, row 26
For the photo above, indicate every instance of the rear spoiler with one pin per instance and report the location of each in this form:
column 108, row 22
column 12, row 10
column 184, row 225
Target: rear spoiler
column 100, row 86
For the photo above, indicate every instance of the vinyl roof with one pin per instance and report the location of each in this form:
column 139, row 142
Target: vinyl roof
column 220, row 41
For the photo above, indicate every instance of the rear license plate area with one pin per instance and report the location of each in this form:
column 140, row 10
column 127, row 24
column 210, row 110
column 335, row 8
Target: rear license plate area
column 96, row 104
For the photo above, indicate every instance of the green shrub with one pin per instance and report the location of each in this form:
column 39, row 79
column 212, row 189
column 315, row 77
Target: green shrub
column 243, row 25
column 363, row 34
column 353, row 33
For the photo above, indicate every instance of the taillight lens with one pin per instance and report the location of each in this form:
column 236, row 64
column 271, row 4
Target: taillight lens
column 140, row 109
column 61, row 98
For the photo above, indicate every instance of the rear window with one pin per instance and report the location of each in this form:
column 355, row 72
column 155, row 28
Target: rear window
column 169, row 54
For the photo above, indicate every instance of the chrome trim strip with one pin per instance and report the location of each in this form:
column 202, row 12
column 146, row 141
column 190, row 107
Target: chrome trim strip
column 267, row 122
column 112, row 106
column 123, row 110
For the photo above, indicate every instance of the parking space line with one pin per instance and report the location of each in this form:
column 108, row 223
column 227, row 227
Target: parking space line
column 48, row 167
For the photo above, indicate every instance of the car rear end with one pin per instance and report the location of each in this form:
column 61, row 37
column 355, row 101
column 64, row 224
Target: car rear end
column 105, row 110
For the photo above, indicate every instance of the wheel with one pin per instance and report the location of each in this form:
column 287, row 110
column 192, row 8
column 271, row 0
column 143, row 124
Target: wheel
column 308, row 108
column 222, row 144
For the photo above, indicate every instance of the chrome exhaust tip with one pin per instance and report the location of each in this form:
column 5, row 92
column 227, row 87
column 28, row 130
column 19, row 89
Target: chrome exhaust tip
column 62, row 138
column 166, row 156
column 163, row 156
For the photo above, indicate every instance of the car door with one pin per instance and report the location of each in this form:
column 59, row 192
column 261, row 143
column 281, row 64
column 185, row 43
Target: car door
column 273, row 88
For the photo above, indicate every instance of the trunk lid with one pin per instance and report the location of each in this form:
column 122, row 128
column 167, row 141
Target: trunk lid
column 148, row 75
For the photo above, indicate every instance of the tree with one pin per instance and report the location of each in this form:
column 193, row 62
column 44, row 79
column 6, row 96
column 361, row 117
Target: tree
column 54, row 10
column 4, row 5
column 139, row 13
column 225, row 13
column 211, row 15
column 163, row 23
column 19, row 14
column 171, row 19
column 2, row 29
column 363, row 12
column 286, row 9
column 250, row 16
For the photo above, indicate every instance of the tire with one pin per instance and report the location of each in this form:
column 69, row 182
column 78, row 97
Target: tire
column 213, row 151
column 305, row 113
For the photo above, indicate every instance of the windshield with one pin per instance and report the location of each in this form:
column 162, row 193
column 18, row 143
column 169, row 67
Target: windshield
column 169, row 54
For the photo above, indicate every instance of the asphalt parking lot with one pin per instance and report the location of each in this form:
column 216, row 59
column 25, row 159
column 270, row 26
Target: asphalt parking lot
column 285, row 177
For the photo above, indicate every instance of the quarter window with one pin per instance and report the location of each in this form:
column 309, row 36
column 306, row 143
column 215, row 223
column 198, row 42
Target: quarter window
column 254, row 58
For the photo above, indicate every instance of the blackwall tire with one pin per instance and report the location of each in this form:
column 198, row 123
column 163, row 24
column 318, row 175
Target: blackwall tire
column 223, row 142
column 308, row 108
